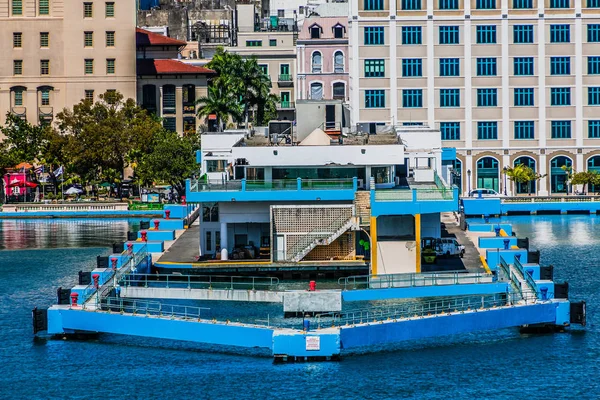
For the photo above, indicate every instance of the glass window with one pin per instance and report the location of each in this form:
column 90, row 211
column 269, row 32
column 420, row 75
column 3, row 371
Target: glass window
column 487, row 130
column 169, row 101
column 448, row 4
column 412, row 35
column 594, row 96
column 110, row 65
column 412, row 67
column 253, row 43
column 45, row 97
column 17, row 40
column 317, row 62
column 411, row 4
column 373, row 5
column 593, row 65
column 450, row 130
column 485, row 4
column 110, row 9
column 88, row 10
column 89, row 95
column 272, row 42
column 264, row 68
column 338, row 32
column 486, row 66
column 44, row 7
column 374, row 98
column 189, row 125
column 449, row 35
column 560, row 96
column 593, row 3
column 522, row 34
column 561, row 129
column 188, row 98
column 523, row 97
column 44, row 67
column 216, row 165
column 523, row 65
column 18, row 67
column 88, row 39
column 449, row 97
column 316, row 91
column 17, row 7
column 560, row 65
column 338, row 62
column 487, row 97
column 449, row 67
column 524, row 130
column 89, row 66
column 559, row 3
column 110, row 39
column 593, row 33
column 339, row 90
column 18, row 97
column 522, row 4
column 315, row 32
column 374, row 68
column 594, row 129
column 486, row 34
column 44, row 39
column 170, row 124
column 210, row 211
column 412, row 98
column 560, row 33
column 374, row 35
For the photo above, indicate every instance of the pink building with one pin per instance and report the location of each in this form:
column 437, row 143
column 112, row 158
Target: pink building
column 323, row 59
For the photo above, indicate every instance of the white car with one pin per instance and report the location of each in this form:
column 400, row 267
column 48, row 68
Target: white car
column 449, row 247
column 484, row 193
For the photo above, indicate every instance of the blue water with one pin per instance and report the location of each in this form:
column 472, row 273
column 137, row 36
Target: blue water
column 39, row 256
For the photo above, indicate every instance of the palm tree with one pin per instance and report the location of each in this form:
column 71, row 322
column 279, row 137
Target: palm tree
column 221, row 103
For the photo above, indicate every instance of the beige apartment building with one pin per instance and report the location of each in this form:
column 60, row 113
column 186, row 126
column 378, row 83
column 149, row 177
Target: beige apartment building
column 57, row 52
column 505, row 81
column 274, row 46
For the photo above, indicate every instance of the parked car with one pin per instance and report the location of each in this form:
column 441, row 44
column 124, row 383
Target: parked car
column 449, row 247
column 484, row 193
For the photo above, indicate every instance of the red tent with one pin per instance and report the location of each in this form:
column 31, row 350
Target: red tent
column 22, row 184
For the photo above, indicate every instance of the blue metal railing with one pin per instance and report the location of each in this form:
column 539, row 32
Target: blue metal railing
column 515, row 284
column 298, row 184
column 530, row 282
column 421, row 309
column 154, row 308
column 385, row 281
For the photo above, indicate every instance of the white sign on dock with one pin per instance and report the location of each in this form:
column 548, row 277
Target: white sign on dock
column 313, row 343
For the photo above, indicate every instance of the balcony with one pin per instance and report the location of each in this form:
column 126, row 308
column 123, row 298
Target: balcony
column 419, row 199
column 45, row 114
column 286, row 105
column 285, row 80
column 19, row 111
column 275, row 190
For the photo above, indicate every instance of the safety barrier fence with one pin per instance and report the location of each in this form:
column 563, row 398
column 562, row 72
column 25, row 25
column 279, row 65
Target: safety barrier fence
column 550, row 199
column 385, row 281
column 142, row 307
column 199, row 281
column 423, row 309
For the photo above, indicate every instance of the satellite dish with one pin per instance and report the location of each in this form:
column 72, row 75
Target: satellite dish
column 410, row 245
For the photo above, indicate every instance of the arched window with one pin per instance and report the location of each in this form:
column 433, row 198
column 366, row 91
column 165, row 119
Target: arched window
column 525, row 187
column 339, row 91
column 316, row 91
column 488, row 174
column 317, row 62
column 558, row 174
column 593, row 165
column 338, row 62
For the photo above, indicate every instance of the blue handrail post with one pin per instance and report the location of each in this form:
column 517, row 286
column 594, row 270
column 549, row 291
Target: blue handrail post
column 298, row 184
column 243, row 184
column 355, row 183
column 414, row 195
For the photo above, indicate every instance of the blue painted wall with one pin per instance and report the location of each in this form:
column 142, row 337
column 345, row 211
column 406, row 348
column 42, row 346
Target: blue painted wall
column 161, row 328
column 483, row 227
column 167, row 224
column 495, row 206
column 79, row 214
column 496, row 242
column 389, row 332
column 489, row 206
column 424, row 291
column 177, row 211
column 413, row 207
column 295, row 343
column 151, row 246
column 153, row 235
column 563, row 312
column 493, row 256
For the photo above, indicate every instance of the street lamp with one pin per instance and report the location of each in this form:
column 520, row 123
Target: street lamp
column 505, row 169
column 469, row 181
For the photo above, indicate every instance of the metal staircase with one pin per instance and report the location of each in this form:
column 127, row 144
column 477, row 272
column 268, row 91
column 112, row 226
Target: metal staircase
column 322, row 237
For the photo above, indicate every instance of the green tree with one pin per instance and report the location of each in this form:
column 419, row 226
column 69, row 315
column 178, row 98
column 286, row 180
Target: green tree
column 523, row 174
column 221, row 103
column 586, row 178
column 171, row 161
column 7, row 161
column 24, row 141
column 106, row 136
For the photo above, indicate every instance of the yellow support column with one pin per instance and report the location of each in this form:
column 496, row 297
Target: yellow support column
column 418, row 240
column 373, row 245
